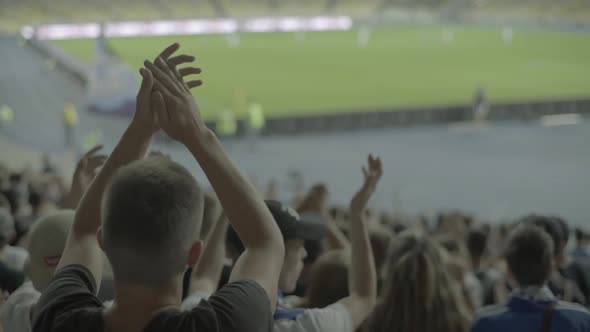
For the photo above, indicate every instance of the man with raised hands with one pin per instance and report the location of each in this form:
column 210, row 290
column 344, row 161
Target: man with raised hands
column 144, row 213
column 347, row 314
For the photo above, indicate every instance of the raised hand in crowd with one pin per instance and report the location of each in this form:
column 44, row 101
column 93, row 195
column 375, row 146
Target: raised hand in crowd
column 175, row 107
column 85, row 171
column 372, row 175
column 362, row 272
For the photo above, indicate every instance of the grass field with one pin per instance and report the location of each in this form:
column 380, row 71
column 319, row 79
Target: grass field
column 406, row 66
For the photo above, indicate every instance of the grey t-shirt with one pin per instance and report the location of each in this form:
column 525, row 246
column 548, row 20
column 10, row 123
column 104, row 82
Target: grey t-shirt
column 69, row 304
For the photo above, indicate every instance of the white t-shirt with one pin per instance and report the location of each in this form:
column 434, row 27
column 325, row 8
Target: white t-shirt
column 14, row 257
column 15, row 313
column 333, row 318
column 193, row 300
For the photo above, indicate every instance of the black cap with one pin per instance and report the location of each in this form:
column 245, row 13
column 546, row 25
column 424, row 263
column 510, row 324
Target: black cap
column 290, row 224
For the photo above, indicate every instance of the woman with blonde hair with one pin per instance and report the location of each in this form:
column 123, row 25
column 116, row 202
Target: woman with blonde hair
column 419, row 295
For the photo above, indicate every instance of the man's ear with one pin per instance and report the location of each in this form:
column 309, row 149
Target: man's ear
column 100, row 239
column 194, row 254
column 562, row 246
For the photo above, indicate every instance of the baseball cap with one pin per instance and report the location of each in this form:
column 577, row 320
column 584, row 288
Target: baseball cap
column 47, row 240
column 7, row 230
column 290, row 224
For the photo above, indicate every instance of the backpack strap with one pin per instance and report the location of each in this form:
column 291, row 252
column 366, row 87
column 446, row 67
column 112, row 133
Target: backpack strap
column 548, row 317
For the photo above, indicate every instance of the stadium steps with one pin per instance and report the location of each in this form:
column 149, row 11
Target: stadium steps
column 37, row 91
column 28, row 88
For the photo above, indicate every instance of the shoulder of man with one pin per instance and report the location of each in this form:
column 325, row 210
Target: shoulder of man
column 491, row 311
column 331, row 318
column 574, row 317
column 68, row 300
column 564, row 306
column 242, row 304
column 580, row 268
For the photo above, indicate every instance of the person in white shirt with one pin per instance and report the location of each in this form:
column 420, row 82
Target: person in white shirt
column 12, row 257
column 347, row 314
column 47, row 241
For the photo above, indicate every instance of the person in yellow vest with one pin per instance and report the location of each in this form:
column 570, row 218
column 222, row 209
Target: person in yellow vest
column 6, row 115
column 92, row 139
column 70, row 122
column 255, row 121
column 256, row 118
column 227, row 125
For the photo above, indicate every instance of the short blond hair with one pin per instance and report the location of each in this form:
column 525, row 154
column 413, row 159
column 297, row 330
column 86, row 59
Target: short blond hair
column 150, row 213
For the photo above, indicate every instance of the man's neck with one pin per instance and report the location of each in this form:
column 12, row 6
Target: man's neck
column 534, row 293
column 563, row 261
column 3, row 251
column 476, row 264
column 135, row 306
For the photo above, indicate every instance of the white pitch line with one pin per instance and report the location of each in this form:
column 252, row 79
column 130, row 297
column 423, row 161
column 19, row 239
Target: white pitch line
column 561, row 120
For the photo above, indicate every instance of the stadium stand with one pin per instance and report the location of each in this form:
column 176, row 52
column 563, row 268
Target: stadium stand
column 155, row 221
column 56, row 11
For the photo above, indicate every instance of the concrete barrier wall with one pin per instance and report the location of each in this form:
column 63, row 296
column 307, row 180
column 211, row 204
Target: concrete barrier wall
column 387, row 118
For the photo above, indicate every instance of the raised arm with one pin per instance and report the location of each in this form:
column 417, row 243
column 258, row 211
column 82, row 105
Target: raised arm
column 362, row 276
column 336, row 239
column 82, row 244
column 179, row 116
column 85, row 171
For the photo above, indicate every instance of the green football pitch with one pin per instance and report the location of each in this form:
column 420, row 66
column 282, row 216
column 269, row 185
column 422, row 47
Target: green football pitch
column 325, row 72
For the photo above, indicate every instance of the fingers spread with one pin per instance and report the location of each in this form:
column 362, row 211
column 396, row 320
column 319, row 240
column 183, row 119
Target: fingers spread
column 189, row 71
column 147, row 82
column 92, row 151
column 168, row 51
column 95, row 162
column 171, row 71
column 159, row 108
column 180, row 59
column 194, row 84
column 162, row 89
column 82, row 164
column 161, row 75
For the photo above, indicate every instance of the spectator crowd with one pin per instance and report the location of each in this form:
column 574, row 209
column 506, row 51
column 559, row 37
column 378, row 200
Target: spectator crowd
column 134, row 243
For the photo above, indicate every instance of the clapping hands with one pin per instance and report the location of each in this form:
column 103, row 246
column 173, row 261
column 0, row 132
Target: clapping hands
column 165, row 100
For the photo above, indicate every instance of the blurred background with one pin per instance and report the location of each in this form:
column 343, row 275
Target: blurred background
column 476, row 105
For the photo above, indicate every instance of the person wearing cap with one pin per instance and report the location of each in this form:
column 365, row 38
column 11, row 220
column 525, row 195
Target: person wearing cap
column 13, row 257
column 47, row 241
column 347, row 314
column 10, row 279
